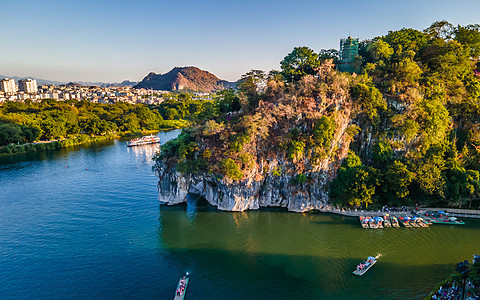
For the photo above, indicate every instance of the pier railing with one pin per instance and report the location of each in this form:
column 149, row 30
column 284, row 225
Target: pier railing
column 457, row 212
column 454, row 212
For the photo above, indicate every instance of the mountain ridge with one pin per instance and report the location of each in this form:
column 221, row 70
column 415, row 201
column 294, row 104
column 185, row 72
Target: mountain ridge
column 41, row 81
column 184, row 78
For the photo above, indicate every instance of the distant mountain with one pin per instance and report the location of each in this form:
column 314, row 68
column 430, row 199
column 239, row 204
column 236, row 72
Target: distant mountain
column 184, row 78
column 39, row 81
column 125, row 83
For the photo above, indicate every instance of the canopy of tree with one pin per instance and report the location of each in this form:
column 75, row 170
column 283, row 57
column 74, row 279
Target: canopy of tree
column 24, row 122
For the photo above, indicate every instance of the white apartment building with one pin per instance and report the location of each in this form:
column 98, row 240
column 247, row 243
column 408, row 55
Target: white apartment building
column 53, row 95
column 28, row 86
column 8, row 86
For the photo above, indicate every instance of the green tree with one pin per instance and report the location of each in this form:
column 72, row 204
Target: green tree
column 395, row 182
column 354, row 184
column 382, row 154
column 147, row 118
column 251, row 86
column 370, row 99
column 380, row 50
column 324, row 131
column 470, row 37
column 10, row 133
column 227, row 101
column 295, row 150
column 298, row 63
column 429, row 175
column 172, row 114
column 231, row 169
column 325, row 54
column 434, row 121
column 130, row 123
column 406, row 39
column 462, row 184
column 440, row 30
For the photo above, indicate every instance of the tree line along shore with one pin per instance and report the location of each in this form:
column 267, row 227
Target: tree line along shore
column 32, row 126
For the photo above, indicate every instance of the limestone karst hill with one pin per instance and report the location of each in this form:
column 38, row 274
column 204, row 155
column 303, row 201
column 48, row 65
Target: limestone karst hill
column 184, row 78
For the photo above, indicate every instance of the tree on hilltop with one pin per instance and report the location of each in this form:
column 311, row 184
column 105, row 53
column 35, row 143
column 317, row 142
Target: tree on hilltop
column 298, row 63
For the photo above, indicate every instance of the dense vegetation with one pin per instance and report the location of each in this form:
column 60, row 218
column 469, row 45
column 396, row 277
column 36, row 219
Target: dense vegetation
column 79, row 121
column 408, row 119
column 420, row 104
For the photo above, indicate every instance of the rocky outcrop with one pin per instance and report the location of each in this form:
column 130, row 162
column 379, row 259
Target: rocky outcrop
column 273, row 191
column 277, row 188
column 282, row 150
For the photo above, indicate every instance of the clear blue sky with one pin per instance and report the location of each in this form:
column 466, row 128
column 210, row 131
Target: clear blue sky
column 116, row 40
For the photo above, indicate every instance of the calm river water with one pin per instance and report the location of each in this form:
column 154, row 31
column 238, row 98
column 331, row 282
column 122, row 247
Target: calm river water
column 85, row 223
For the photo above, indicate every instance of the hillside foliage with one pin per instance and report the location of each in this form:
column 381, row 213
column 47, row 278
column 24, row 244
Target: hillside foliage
column 412, row 109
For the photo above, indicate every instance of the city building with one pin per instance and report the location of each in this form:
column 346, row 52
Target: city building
column 30, row 91
column 28, row 86
column 8, row 86
column 348, row 52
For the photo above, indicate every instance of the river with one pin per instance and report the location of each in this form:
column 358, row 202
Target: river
column 85, row 222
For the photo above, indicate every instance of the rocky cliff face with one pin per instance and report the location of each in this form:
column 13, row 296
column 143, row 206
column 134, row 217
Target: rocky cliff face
column 272, row 184
column 280, row 151
column 273, row 191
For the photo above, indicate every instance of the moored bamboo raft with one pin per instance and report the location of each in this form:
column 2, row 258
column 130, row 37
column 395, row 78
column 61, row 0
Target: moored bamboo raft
column 394, row 221
column 386, row 222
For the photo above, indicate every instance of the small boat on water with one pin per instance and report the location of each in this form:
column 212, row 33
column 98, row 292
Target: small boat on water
column 441, row 217
column 365, row 265
column 449, row 220
column 181, row 288
column 144, row 140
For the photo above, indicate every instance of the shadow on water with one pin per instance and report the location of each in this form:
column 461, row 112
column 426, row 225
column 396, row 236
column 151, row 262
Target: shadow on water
column 99, row 233
column 273, row 255
column 46, row 155
column 96, row 146
column 344, row 221
column 239, row 275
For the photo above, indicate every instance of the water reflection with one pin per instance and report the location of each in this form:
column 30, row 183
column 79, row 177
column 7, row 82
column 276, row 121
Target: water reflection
column 239, row 217
column 144, row 152
column 192, row 201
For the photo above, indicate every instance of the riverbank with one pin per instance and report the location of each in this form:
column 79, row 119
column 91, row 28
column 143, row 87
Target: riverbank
column 107, row 219
column 463, row 213
column 79, row 139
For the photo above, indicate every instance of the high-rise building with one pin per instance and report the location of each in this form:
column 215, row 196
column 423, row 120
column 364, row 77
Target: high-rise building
column 348, row 52
column 28, row 86
column 8, row 86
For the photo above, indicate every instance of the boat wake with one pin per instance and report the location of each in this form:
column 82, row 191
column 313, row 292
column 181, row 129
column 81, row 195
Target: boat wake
column 378, row 255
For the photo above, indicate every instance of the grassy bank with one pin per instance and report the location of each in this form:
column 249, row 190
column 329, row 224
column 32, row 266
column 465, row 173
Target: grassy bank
column 79, row 139
column 13, row 149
